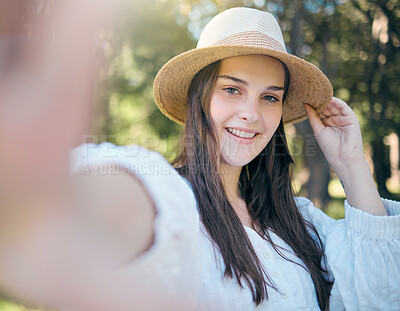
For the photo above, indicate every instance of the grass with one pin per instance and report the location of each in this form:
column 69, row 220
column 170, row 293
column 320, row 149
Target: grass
column 9, row 306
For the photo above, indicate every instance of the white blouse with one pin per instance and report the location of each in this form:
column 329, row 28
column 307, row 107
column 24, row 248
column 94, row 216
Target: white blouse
column 363, row 251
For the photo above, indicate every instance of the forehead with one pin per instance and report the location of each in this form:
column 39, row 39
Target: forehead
column 252, row 67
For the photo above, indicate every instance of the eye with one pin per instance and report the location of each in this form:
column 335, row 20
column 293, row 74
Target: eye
column 271, row 99
column 231, row 90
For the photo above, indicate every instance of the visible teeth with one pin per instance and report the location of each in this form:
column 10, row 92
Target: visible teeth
column 241, row 133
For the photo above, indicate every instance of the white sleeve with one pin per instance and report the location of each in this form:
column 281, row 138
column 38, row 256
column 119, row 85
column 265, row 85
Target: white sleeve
column 363, row 254
column 171, row 264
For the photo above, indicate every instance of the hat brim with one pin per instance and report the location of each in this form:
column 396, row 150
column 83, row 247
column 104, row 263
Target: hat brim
column 308, row 85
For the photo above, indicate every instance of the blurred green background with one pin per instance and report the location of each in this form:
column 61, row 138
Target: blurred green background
column 355, row 43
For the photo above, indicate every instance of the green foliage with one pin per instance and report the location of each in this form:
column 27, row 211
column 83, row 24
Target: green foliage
column 356, row 44
column 338, row 36
column 148, row 36
column 9, row 306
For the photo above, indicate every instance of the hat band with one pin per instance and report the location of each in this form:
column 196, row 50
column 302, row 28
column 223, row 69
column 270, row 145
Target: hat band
column 252, row 38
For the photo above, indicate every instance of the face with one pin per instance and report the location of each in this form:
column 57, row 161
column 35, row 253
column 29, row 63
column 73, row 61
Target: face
column 246, row 106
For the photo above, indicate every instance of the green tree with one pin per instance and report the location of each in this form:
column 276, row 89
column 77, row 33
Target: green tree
column 371, row 73
column 147, row 36
column 354, row 42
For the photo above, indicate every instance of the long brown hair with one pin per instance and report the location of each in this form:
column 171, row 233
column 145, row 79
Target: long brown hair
column 265, row 187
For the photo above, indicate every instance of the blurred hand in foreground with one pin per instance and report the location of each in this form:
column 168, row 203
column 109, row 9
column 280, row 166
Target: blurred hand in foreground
column 48, row 58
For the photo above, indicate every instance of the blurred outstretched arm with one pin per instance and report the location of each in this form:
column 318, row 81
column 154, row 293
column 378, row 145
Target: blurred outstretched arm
column 47, row 74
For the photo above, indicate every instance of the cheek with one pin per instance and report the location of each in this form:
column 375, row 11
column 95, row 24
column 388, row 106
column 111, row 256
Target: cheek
column 271, row 117
column 218, row 110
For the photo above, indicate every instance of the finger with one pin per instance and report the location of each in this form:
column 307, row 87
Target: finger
column 338, row 121
column 54, row 72
column 341, row 106
column 333, row 110
column 331, row 122
column 314, row 119
column 330, row 110
column 324, row 114
column 46, row 90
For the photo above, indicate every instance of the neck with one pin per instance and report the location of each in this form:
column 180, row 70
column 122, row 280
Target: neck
column 230, row 179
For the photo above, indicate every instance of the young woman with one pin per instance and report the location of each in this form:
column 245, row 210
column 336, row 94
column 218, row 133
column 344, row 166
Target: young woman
column 261, row 247
column 230, row 235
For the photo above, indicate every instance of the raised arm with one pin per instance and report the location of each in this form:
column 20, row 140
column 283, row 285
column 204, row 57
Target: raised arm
column 337, row 131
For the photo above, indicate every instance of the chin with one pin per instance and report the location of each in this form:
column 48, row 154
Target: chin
column 237, row 161
column 239, row 156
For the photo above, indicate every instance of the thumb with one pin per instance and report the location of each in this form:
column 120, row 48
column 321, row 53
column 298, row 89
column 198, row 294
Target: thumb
column 314, row 119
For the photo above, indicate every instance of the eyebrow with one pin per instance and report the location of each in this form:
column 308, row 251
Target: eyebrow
column 240, row 81
column 234, row 79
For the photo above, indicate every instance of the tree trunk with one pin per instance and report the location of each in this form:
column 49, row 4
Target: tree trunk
column 316, row 188
column 380, row 159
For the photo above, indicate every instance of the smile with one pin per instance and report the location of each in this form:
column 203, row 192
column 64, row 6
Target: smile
column 241, row 133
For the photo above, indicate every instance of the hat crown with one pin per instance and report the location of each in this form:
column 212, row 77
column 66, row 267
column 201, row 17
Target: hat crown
column 243, row 26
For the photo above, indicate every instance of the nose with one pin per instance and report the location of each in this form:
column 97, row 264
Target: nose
column 250, row 110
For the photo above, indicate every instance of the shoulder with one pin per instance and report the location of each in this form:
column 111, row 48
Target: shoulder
column 305, row 206
column 310, row 213
column 302, row 202
column 158, row 176
column 141, row 189
column 115, row 207
column 168, row 259
column 308, row 209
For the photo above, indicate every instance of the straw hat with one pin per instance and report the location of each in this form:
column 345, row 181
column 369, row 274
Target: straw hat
column 234, row 32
